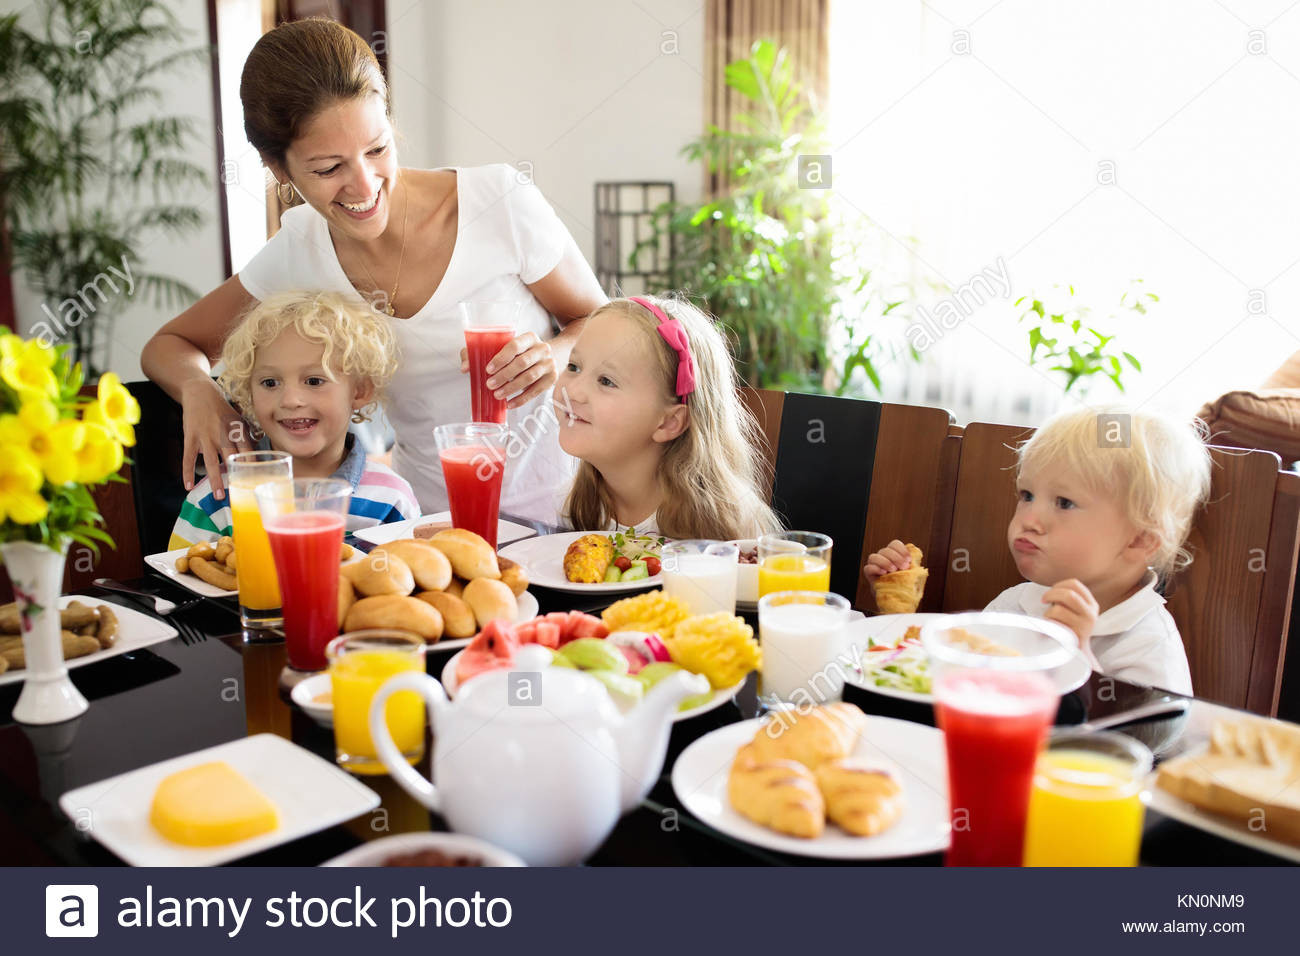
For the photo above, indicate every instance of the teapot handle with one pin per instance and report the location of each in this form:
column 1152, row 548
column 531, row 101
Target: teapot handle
column 401, row 771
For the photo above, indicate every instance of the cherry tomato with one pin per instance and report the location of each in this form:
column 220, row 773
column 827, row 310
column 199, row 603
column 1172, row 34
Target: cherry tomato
column 622, row 563
column 653, row 565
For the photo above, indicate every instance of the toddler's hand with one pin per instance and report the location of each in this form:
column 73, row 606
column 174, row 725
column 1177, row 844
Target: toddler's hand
column 1073, row 605
column 892, row 557
column 464, row 361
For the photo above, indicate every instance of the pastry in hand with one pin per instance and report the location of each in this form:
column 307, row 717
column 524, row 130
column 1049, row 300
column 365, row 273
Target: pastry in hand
column 860, row 798
column 899, row 592
column 824, row 733
column 780, row 794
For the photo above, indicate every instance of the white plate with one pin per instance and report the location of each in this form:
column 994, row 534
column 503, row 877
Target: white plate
column 309, row 794
column 165, row 564
column 376, row 852
column 889, row 628
column 913, row 750
column 543, row 561
column 304, row 694
column 1224, row 827
column 720, row 697
column 507, row 531
column 137, row 630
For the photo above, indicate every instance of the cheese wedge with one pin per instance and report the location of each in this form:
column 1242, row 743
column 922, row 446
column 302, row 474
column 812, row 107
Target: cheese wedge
column 210, row 805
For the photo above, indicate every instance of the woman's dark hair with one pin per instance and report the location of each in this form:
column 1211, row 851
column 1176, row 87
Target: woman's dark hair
column 294, row 72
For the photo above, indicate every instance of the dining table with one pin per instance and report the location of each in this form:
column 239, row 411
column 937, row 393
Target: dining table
column 215, row 683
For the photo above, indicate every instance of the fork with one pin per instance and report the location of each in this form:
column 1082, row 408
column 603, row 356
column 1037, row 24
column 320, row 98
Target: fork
column 164, row 608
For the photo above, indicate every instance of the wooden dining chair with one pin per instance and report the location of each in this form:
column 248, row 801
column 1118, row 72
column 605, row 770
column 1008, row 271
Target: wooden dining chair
column 856, row 470
column 765, row 405
column 1232, row 604
column 910, row 493
column 156, row 480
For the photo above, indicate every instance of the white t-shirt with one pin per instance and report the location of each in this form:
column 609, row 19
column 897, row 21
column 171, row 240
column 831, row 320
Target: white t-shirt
column 1136, row 640
column 507, row 236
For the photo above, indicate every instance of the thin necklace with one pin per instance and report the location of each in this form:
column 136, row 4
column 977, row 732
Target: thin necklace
column 389, row 308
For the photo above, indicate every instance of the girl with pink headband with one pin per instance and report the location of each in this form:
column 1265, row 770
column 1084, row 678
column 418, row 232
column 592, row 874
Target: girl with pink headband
column 648, row 402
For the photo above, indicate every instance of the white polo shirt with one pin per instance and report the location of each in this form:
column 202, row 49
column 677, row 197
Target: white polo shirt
column 1136, row 640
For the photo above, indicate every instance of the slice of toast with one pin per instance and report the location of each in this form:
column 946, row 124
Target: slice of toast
column 1250, row 773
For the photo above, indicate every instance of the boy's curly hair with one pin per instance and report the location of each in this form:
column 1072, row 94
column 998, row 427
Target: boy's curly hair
column 358, row 341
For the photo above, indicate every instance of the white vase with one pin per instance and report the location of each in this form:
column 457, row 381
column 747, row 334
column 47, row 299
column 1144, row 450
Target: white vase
column 36, row 572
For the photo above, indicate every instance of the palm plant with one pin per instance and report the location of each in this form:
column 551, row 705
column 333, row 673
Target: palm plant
column 89, row 171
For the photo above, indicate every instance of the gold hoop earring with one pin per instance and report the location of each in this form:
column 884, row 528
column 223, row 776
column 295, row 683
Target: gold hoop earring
column 280, row 188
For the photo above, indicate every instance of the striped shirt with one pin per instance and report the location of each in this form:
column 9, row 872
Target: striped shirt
column 379, row 496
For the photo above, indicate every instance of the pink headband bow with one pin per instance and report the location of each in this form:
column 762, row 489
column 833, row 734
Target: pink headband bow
column 675, row 335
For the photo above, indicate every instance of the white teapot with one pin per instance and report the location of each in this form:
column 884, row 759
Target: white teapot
column 535, row 759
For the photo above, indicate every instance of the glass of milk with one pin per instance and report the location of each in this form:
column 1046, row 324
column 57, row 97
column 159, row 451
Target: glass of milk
column 702, row 574
column 804, row 654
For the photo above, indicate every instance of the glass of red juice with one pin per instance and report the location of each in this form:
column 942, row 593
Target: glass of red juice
column 473, row 456
column 305, row 521
column 995, row 696
column 489, row 327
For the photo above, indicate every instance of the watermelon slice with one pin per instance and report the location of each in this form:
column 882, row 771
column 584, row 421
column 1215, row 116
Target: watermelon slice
column 493, row 649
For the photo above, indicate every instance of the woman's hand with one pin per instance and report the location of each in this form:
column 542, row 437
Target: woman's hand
column 212, row 429
column 892, row 557
column 524, row 369
column 1072, row 604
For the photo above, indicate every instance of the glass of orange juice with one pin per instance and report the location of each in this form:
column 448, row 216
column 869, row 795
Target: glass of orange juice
column 259, row 589
column 1085, row 808
column 794, row 561
column 360, row 662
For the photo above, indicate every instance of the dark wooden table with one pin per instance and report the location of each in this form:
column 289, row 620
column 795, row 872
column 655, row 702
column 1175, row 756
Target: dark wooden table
column 173, row 698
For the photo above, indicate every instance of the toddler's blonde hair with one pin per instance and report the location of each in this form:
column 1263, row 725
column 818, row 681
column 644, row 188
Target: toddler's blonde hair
column 710, row 473
column 1159, row 477
column 358, row 341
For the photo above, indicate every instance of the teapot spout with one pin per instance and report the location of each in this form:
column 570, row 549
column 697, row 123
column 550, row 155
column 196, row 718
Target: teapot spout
column 643, row 736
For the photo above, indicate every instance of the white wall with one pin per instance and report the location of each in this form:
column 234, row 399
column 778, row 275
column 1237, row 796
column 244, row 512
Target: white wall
column 582, row 90
column 195, row 258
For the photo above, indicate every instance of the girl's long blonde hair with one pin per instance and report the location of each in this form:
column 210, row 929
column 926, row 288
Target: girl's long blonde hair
column 710, row 473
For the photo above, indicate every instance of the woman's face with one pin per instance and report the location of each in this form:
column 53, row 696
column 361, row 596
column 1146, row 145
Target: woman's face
column 345, row 166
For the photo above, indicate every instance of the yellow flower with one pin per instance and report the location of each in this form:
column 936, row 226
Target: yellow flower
column 20, row 488
column 99, row 456
column 27, row 367
column 53, row 443
column 115, row 408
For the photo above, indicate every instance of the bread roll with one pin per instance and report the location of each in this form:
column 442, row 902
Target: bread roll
column 829, row 732
column 347, row 598
column 470, row 556
column 513, row 575
column 457, row 618
column 429, row 566
column 456, row 588
column 780, row 794
column 398, row 611
column 862, row 798
column 380, row 573
column 490, row 601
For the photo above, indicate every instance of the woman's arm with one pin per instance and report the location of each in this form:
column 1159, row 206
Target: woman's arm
column 179, row 358
column 529, row 365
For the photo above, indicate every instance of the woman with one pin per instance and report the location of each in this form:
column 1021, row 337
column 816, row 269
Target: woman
column 414, row 242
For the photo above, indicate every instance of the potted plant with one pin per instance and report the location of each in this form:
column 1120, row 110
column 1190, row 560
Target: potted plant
column 57, row 446
column 774, row 257
column 88, row 167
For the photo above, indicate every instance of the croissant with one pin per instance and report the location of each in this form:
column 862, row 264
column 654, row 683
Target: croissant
column 780, row 794
column 860, row 798
column 824, row 733
column 899, row 592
